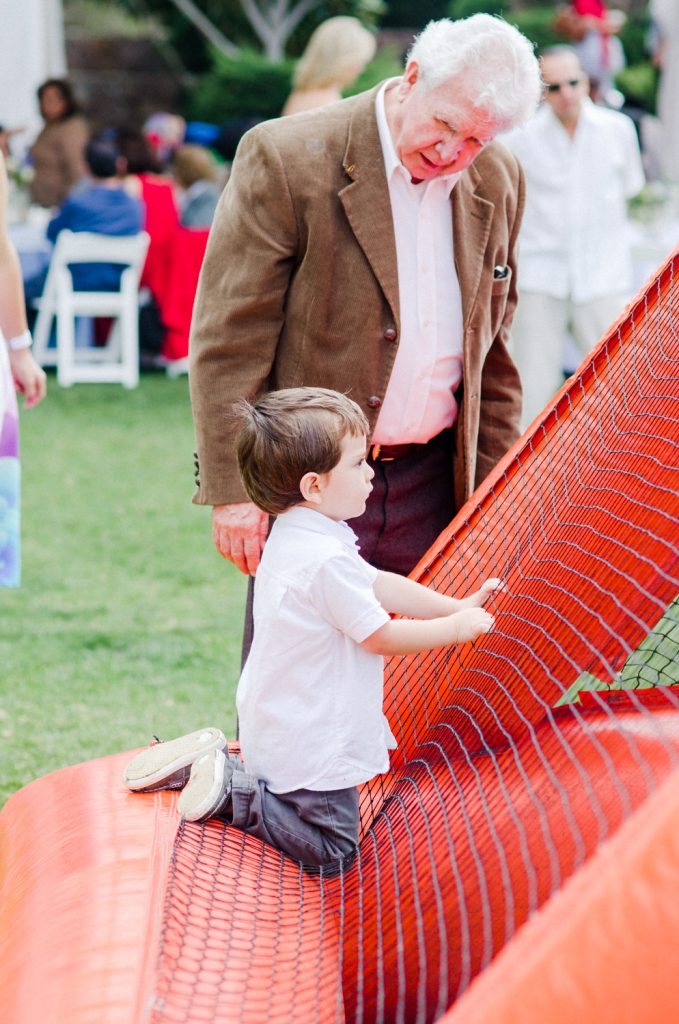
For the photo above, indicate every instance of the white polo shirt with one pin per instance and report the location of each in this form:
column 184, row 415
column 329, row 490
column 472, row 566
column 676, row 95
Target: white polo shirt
column 574, row 238
column 310, row 698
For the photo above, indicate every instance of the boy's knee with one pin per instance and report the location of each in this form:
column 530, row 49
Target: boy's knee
column 339, row 860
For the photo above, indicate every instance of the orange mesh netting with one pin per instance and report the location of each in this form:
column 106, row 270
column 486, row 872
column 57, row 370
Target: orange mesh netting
column 535, row 768
column 497, row 795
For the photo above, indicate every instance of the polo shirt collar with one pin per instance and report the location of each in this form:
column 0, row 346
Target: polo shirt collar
column 316, row 522
column 588, row 113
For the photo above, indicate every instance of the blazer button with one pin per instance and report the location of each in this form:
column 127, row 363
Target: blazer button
column 390, row 334
column 374, row 402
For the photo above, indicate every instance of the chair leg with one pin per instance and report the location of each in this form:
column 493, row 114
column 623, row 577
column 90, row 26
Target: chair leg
column 114, row 346
column 129, row 330
column 42, row 354
column 65, row 348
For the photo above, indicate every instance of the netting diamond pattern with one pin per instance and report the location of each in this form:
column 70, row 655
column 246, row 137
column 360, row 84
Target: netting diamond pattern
column 517, row 756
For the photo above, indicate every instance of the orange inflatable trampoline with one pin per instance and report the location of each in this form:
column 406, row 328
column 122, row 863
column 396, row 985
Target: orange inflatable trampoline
column 520, row 860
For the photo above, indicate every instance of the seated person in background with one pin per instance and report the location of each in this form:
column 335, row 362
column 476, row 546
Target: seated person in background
column 140, row 171
column 195, row 172
column 335, row 55
column 165, row 132
column 103, row 207
column 310, row 695
column 58, row 152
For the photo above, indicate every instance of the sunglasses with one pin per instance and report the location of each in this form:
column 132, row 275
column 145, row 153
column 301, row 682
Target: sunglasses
column 558, row 86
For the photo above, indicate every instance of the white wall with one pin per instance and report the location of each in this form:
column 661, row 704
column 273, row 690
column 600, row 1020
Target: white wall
column 31, row 50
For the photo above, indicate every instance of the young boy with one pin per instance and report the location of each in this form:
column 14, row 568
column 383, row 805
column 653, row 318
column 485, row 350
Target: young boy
column 310, row 695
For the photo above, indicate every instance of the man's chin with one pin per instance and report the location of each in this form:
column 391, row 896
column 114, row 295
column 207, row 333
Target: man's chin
column 426, row 169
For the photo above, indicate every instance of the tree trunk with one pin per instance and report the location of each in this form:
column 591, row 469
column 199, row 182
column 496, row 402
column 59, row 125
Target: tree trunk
column 207, row 28
column 275, row 21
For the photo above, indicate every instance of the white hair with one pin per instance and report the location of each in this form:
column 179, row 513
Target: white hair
column 494, row 64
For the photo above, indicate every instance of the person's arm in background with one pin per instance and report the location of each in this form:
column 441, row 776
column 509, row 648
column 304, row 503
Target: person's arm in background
column 633, row 168
column 238, row 316
column 500, row 391
column 29, row 378
column 75, row 135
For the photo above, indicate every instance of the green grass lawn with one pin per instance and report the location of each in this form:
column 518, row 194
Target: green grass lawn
column 128, row 622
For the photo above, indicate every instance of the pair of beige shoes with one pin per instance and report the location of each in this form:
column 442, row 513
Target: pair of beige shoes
column 197, row 763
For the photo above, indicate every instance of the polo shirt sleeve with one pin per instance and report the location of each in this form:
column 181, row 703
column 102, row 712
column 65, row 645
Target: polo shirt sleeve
column 341, row 591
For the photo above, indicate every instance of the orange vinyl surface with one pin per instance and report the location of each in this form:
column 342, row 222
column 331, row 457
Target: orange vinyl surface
column 519, row 861
column 605, row 950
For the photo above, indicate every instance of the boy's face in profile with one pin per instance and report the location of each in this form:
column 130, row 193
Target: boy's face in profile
column 343, row 491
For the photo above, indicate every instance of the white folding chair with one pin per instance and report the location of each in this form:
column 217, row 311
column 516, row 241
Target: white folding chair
column 118, row 360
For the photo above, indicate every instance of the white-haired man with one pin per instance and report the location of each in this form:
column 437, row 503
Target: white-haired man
column 582, row 164
column 369, row 247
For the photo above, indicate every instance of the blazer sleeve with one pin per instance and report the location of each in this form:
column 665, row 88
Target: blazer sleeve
column 500, row 395
column 239, row 308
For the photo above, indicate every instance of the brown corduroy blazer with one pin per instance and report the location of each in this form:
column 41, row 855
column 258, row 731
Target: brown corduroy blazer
column 300, row 287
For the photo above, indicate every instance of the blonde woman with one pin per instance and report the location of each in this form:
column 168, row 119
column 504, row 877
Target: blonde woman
column 335, row 55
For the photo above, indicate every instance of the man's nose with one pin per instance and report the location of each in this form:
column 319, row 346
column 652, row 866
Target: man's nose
column 449, row 149
column 371, row 471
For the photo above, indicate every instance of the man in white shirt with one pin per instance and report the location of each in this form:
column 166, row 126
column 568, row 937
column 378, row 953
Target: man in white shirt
column 369, row 247
column 582, row 164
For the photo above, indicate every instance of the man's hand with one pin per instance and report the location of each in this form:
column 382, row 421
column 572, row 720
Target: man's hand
column 239, row 532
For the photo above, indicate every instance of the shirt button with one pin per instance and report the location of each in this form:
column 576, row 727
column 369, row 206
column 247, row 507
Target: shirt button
column 374, row 402
column 390, row 334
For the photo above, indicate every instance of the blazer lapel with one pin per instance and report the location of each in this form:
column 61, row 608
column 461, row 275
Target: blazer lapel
column 472, row 218
column 366, row 199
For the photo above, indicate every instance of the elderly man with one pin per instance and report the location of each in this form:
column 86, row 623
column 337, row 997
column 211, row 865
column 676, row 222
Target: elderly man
column 582, row 163
column 370, row 247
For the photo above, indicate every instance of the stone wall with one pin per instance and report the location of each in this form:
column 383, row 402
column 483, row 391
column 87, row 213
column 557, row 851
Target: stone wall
column 120, row 81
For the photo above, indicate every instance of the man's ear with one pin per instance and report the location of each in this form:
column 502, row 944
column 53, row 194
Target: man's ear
column 310, row 488
column 409, row 77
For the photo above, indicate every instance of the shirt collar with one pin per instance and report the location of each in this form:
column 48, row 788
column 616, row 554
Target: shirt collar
column 588, row 113
column 392, row 164
column 309, row 519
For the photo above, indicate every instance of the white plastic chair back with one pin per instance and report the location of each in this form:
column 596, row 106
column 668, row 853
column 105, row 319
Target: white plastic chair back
column 118, row 360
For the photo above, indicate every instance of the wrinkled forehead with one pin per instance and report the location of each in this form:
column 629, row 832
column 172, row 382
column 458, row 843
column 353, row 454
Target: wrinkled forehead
column 454, row 101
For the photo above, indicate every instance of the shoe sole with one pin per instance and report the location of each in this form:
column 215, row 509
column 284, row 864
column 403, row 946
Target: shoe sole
column 206, row 787
column 157, row 764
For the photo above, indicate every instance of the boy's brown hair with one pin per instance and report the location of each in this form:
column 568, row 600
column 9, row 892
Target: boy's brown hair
column 289, row 433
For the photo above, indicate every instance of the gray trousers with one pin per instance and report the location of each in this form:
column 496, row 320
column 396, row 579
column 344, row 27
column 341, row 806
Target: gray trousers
column 314, row 828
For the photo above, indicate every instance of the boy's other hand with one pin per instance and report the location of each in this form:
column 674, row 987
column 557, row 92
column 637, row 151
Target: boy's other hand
column 488, row 589
column 239, row 532
column 471, row 623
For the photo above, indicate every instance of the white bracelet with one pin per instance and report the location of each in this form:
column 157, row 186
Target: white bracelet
column 21, row 341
